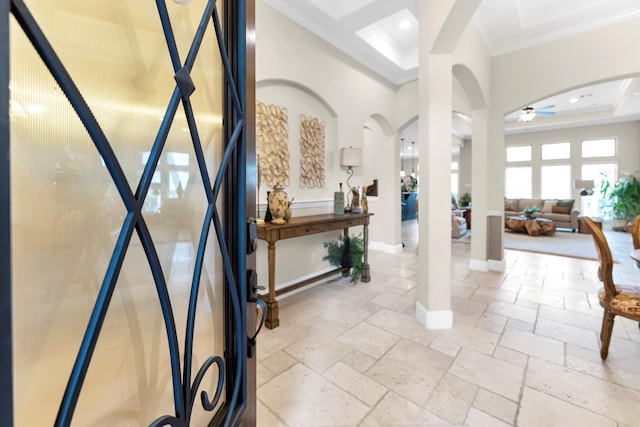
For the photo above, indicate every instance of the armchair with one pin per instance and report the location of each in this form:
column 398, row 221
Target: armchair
column 458, row 224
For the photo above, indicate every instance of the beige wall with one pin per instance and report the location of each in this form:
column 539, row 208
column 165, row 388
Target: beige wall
column 298, row 71
column 525, row 76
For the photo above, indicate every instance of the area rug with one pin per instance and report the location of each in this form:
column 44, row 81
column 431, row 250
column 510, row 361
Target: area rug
column 574, row 245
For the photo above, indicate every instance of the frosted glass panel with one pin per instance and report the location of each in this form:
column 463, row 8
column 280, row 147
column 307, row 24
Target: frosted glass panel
column 67, row 213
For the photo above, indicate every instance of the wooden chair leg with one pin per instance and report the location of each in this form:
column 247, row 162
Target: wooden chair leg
column 605, row 333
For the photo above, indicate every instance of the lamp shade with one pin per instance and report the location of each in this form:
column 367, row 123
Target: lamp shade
column 350, row 157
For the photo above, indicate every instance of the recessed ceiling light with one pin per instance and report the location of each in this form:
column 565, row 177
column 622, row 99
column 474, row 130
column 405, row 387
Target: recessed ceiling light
column 404, row 24
column 573, row 100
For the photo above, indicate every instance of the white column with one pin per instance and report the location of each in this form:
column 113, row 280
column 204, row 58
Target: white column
column 435, row 84
column 433, row 307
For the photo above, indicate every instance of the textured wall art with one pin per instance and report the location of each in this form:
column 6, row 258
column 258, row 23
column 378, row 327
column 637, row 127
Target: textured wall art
column 273, row 151
column 311, row 152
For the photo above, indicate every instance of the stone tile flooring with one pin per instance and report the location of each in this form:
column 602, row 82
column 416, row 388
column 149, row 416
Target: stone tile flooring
column 523, row 350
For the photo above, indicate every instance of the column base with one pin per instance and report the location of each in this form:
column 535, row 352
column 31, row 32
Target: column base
column 430, row 319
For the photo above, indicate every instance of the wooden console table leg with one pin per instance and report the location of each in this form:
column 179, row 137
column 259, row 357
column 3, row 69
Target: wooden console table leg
column 366, row 272
column 347, row 271
column 272, row 320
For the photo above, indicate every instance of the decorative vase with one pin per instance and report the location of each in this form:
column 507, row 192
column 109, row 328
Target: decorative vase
column 278, row 204
column 287, row 212
column 267, row 213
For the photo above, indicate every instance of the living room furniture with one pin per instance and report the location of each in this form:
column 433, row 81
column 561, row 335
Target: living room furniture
column 561, row 211
column 616, row 300
column 635, row 236
column 458, row 224
column 584, row 229
column 408, row 205
column 467, row 216
column 305, row 226
column 533, row 227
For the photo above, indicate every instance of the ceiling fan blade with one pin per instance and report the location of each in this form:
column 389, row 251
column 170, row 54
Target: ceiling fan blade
column 546, row 113
column 546, row 107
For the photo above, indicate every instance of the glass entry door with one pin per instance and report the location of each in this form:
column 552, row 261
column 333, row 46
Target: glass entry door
column 126, row 129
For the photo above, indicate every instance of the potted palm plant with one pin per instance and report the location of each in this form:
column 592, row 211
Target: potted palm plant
column 623, row 198
column 346, row 252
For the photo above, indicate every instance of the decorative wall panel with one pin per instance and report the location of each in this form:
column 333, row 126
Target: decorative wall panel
column 272, row 132
column 311, row 152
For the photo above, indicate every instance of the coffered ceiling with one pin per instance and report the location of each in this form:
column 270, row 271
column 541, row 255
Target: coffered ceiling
column 383, row 36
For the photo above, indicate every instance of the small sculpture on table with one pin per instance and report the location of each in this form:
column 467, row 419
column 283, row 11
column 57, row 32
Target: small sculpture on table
column 278, row 205
column 363, row 200
column 355, row 201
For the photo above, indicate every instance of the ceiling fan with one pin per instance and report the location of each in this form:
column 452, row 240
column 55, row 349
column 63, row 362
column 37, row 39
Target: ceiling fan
column 527, row 114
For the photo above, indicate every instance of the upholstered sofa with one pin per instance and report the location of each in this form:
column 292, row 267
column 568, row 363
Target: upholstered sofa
column 561, row 212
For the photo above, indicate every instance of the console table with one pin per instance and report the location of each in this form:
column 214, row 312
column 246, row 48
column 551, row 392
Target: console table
column 305, row 226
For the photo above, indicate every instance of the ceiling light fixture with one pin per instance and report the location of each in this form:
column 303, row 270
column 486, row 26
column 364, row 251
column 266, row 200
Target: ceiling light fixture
column 573, row 100
column 527, row 114
column 404, row 24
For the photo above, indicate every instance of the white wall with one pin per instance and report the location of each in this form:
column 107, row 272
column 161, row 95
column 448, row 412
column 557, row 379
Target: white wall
column 298, row 71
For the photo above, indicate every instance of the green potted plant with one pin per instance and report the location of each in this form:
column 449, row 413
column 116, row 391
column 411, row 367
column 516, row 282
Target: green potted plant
column 346, row 252
column 465, row 200
column 623, row 198
column 530, row 211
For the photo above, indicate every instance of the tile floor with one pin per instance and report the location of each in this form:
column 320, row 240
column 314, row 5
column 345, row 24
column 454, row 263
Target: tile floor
column 523, row 350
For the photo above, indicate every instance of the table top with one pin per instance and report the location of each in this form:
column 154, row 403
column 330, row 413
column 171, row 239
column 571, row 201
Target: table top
column 315, row 219
column 522, row 218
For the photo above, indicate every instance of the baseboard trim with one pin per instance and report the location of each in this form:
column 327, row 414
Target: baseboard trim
column 389, row 249
column 442, row 319
column 496, row 265
column 478, row 265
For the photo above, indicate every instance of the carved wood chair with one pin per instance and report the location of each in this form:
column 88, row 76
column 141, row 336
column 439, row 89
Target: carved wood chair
column 616, row 300
column 635, row 235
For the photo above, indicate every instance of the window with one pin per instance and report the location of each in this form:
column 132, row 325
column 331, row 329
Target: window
column 593, row 205
column 599, row 148
column 556, row 151
column 519, row 154
column 517, row 182
column 454, row 179
column 555, row 182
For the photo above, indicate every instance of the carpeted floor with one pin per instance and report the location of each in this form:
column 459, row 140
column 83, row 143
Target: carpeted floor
column 575, row 245
column 563, row 243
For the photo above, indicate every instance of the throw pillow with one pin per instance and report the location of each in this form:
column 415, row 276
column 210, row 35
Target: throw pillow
column 561, row 209
column 548, row 205
column 511, row 205
column 567, row 202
